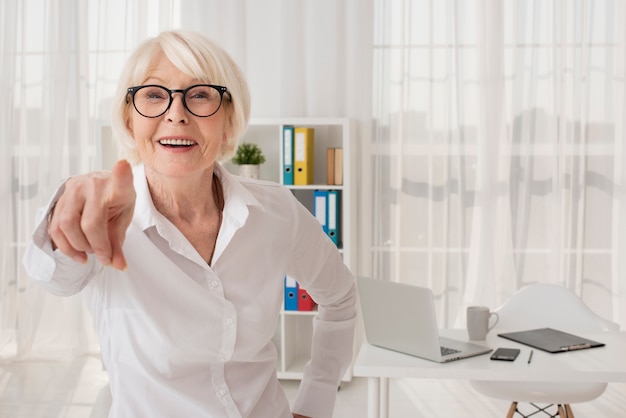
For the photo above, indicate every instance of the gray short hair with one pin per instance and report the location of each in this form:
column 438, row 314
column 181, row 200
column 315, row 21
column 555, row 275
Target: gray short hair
column 197, row 57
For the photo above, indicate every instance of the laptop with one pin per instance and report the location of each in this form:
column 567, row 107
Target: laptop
column 402, row 318
column 551, row 340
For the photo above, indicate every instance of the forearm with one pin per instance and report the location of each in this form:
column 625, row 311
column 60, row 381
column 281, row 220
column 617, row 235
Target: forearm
column 321, row 271
column 329, row 362
column 331, row 355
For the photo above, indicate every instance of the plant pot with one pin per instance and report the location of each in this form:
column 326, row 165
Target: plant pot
column 250, row 171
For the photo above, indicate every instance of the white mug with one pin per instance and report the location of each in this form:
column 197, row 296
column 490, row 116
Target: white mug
column 478, row 318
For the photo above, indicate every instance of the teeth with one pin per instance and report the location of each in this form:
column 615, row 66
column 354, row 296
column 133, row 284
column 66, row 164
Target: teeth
column 176, row 142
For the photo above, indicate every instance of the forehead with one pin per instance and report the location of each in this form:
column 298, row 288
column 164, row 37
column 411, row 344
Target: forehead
column 161, row 70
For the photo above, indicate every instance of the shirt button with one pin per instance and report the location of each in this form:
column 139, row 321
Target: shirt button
column 213, row 284
column 229, row 321
column 222, row 392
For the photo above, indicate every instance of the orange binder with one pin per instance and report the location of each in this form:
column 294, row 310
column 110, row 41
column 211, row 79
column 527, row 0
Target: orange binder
column 330, row 166
column 338, row 166
column 304, row 152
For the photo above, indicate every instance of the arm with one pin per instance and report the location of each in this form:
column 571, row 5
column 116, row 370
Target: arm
column 92, row 216
column 88, row 215
column 319, row 268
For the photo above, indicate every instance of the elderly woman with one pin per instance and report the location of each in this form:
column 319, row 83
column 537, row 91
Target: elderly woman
column 181, row 263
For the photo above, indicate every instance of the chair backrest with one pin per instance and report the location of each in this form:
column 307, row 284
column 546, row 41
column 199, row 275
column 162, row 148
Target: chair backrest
column 549, row 305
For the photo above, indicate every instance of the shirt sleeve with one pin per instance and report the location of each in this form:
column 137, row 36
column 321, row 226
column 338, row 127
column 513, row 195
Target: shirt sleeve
column 52, row 269
column 319, row 268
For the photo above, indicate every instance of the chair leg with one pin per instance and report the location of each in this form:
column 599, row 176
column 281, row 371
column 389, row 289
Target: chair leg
column 512, row 410
column 562, row 411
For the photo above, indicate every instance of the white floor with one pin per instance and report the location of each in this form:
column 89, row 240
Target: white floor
column 75, row 390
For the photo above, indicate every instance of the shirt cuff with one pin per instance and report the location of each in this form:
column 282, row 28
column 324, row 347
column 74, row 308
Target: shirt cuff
column 315, row 399
column 38, row 258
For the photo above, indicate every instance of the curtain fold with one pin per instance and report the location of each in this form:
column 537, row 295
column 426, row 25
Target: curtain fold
column 8, row 43
column 490, row 274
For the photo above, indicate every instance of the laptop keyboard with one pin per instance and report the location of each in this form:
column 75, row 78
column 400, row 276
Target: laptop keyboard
column 447, row 351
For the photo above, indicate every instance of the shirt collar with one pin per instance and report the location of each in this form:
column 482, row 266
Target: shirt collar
column 145, row 212
column 233, row 188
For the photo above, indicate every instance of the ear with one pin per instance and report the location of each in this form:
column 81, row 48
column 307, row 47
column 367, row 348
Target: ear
column 129, row 127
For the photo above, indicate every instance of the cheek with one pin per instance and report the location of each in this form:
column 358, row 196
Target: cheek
column 140, row 128
column 227, row 128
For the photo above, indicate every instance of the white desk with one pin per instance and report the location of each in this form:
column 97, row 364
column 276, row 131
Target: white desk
column 603, row 364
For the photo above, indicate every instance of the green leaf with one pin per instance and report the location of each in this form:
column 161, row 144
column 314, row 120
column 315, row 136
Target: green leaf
column 248, row 153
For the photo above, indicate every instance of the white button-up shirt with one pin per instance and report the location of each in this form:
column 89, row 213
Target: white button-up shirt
column 182, row 338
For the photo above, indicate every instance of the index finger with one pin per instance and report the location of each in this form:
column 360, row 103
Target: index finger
column 122, row 191
column 100, row 220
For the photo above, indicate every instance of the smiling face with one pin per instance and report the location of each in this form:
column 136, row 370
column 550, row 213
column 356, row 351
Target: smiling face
column 177, row 143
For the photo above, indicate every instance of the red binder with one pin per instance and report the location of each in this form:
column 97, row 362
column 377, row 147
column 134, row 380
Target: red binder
column 305, row 302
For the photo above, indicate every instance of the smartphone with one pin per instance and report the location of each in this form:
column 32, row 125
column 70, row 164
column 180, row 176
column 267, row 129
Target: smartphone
column 505, row 354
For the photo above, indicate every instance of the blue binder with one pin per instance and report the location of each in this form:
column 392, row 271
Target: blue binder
column 291, row 294
column 333, row 216
column 288, row 155
column 320, row 208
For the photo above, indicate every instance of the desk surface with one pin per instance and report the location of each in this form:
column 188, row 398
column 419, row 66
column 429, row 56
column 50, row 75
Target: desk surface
column 602, row 364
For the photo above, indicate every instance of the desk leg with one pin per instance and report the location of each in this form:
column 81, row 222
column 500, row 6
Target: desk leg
column 373, row 397
column 384, row 397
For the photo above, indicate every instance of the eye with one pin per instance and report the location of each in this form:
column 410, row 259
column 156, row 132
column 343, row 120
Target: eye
column 202, row 93
column 154, row 93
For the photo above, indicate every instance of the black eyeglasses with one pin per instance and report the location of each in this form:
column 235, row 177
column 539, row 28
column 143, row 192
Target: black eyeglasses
column 152, row 101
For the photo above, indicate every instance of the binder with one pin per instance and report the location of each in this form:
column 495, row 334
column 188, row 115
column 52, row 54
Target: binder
column 320, row 208
column 304, row 154
column 338, row 166
column 288, row 154
column 333, row 216
column 330, row 166
column 291, row 294
column 305, row 302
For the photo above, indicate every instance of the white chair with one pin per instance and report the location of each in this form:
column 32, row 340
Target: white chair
column 539, row 306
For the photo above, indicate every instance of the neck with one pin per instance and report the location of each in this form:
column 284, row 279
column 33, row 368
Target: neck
column 187, row 201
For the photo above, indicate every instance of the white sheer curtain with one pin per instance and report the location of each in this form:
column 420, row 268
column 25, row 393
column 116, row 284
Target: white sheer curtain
column 498, row 156
column 60, row 62
column 301, row 58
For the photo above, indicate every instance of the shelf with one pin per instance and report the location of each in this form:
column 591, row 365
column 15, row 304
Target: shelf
column 295, row 328
column 299, row 313
column 315, row 187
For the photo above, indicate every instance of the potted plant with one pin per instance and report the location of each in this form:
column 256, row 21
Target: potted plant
column 249, row 158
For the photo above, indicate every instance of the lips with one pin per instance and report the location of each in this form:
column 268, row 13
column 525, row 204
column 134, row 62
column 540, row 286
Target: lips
column 170, row 142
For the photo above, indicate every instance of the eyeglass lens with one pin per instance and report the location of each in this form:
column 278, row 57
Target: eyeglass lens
column 153, row 101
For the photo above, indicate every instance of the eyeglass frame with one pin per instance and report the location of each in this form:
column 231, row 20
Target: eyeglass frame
column 132, row 90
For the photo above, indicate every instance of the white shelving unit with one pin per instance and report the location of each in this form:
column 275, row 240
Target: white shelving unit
column 294, row 331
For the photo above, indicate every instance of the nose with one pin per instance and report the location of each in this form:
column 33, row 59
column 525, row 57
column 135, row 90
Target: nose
column 177, row 112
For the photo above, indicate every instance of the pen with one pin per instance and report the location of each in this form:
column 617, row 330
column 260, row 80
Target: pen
column 530, row 356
